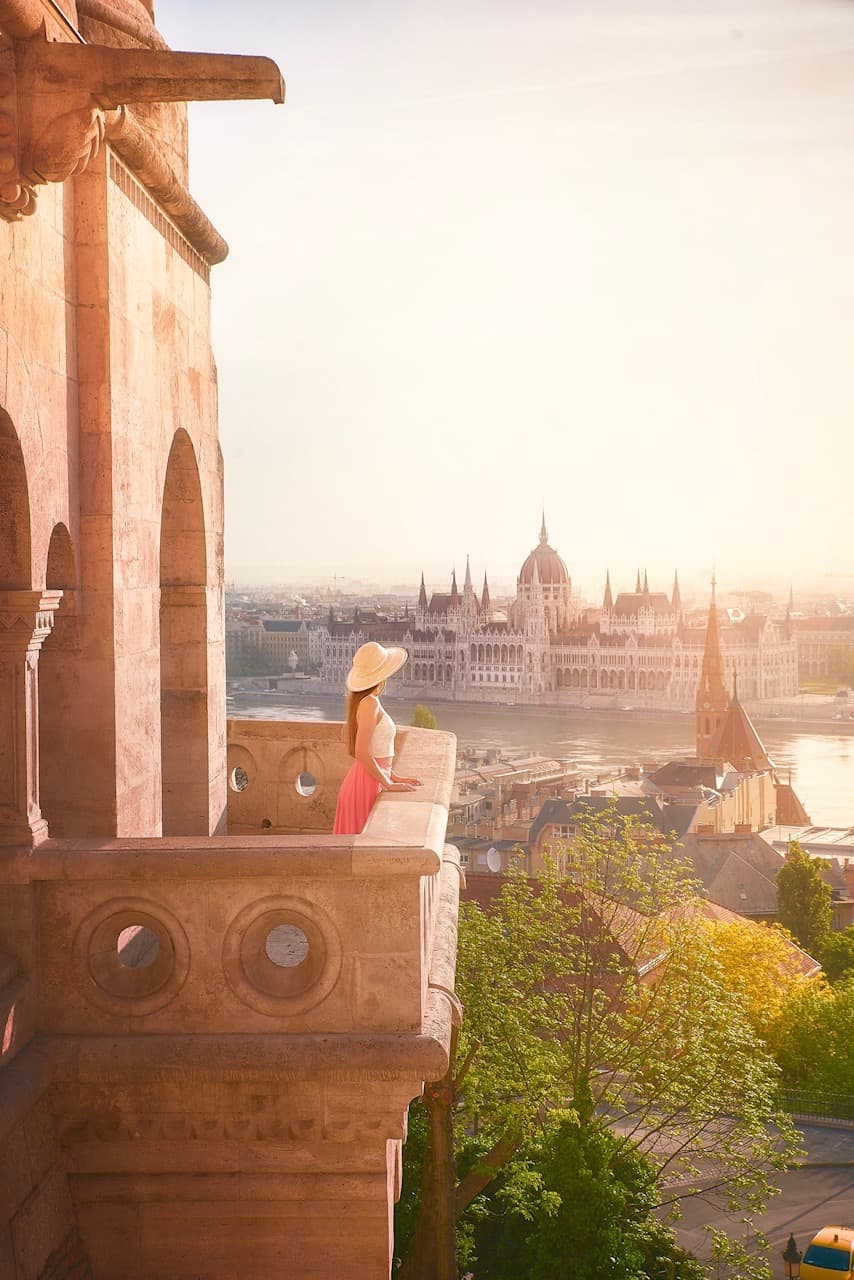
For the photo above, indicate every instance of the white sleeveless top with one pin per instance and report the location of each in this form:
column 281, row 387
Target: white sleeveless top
column 382, row 740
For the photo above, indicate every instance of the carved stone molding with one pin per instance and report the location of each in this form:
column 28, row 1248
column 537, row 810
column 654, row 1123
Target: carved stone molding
column 67, row 145
column 54, row 95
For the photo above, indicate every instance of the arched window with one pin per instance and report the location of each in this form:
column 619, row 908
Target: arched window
column 62, row 759
column 184, row 734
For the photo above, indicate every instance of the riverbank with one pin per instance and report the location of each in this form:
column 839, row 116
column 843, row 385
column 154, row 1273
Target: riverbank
column 820, row 713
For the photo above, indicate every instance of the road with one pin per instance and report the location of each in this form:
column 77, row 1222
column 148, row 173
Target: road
column 819, row 1194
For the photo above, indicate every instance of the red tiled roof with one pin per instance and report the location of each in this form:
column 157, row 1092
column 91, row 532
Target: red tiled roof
column 739, row 743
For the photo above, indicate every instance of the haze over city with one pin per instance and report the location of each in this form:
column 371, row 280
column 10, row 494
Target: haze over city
column 591, row 255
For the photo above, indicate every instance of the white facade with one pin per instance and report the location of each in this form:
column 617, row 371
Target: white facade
column 639, row 654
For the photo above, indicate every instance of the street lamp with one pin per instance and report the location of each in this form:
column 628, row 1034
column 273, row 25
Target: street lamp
column 792, row 1259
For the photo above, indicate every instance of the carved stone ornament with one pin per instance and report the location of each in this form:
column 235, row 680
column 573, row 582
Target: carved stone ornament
column 67, row 145
column 54, row 95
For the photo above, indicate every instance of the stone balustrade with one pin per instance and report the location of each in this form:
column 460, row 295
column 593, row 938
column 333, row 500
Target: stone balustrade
column 232, row 1027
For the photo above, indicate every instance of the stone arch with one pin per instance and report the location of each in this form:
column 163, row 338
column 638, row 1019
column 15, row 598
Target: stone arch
column 594, row 679
column 621, row 679
column 16, row 568
column 183, row 647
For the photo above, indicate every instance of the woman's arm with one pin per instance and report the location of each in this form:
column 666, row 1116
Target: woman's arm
column 367, row 716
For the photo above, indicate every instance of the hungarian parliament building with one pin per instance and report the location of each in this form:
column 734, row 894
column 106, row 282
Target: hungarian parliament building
column 544, row 650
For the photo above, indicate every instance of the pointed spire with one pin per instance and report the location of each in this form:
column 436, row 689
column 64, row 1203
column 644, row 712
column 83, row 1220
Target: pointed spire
column 676, row 600
column 790, row 607
column 485, row 604
column 712, row 700
column 455, row 595
column 638, row 584
column 544, row 536
column 608, row 602
column 645, row 583
column 422, row 594
column 467, row 584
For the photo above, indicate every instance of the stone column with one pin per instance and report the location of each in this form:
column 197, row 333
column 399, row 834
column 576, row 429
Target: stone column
column 26, row 618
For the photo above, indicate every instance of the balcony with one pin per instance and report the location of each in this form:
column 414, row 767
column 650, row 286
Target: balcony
column 231, row 1028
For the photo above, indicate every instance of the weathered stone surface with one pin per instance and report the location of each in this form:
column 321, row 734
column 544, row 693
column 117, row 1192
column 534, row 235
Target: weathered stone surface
column 181, row 1092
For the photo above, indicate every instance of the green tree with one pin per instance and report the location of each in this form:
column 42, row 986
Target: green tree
column 593, row 991
column 803, row 899
column 837, row 954
column 423, row 718
column 812, row 1041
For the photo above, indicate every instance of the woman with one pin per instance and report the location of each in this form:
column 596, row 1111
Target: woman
column 370, row 738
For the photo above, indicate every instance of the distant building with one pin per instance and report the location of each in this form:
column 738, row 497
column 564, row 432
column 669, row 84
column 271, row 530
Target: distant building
column 642, row 651
column 711, row 806
column 823, row 644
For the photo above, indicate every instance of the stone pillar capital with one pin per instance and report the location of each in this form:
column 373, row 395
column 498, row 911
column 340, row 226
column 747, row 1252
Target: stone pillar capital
column 26, row 618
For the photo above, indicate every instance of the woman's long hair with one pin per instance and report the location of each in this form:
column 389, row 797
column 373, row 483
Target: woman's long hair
column 353, row 703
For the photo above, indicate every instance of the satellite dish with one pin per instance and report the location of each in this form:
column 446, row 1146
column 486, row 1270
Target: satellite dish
column 493, row 859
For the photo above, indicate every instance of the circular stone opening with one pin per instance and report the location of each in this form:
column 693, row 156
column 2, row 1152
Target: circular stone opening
column 286, row 946
column 137, row 946
column 306, row 783
column 238, row 779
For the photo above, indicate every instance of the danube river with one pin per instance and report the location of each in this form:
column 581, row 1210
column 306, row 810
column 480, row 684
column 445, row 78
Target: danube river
column 821, row 757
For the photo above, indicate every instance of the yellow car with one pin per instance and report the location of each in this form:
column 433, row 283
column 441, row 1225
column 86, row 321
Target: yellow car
column 830, row 1254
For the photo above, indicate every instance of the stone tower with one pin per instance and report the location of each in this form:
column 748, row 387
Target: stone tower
column 178, row 1094
column 712, row 699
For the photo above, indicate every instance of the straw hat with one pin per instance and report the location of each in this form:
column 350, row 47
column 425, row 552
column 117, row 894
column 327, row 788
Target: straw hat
column 373, row 663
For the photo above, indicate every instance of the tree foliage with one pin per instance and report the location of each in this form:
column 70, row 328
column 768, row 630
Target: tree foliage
column 803, row 899
column 760, row 966
column 812, row 1039
column 595, row 993
column 837, row 954
column 423, row 718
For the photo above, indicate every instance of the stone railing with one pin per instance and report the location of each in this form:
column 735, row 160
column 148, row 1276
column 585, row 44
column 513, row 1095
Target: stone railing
column 322, row 933
column 226, row 1032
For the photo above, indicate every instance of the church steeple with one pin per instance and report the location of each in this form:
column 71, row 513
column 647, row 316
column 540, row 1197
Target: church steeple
column 676, row 599
column 467, row 584
column 638, row 584
column 544, row 536
column 645, row 583
column 455, row 595
column 712, row 700
column 422, row 595
column 485, row 602
column 608, row 601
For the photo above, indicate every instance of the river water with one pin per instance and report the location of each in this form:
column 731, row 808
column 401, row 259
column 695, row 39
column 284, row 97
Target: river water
column 820, row 757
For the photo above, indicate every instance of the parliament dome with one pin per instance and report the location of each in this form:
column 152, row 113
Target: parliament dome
column 551, row 569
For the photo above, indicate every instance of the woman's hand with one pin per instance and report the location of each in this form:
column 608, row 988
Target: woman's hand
column 414, row 782
column 401, row 784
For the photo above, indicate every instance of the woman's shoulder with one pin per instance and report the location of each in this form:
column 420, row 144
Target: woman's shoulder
column 369, row 706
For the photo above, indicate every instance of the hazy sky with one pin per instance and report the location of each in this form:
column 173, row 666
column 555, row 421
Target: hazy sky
column 493, row 253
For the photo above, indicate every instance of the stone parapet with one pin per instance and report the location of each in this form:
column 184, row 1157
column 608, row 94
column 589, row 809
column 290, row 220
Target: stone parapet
column 227, row 1031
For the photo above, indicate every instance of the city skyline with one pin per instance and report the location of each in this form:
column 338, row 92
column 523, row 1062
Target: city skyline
column 596, row 257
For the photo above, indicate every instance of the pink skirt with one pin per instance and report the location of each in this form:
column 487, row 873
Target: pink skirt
column 356, row 799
